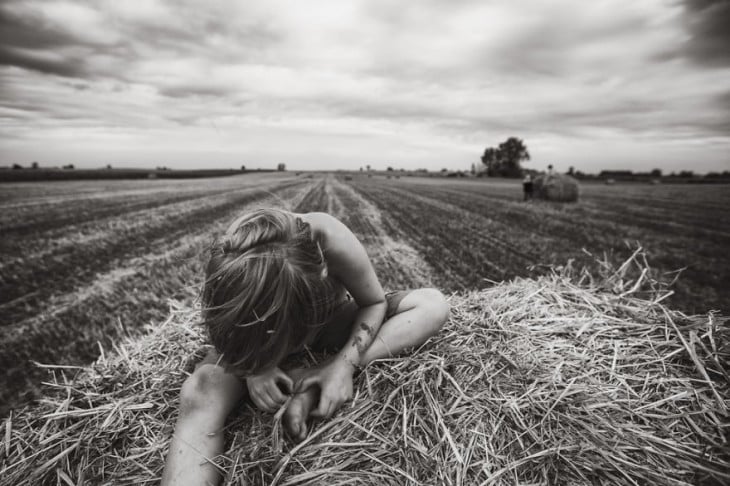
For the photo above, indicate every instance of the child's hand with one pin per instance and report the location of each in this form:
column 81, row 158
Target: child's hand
column 264, row 389
column 335, row 382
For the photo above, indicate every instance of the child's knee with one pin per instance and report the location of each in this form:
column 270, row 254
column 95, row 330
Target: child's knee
column 207, row 390
column 434, row 304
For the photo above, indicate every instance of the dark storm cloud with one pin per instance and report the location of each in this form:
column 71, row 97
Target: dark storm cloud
column 34, row 39
column 30, row 30
column 708, row 23
column 61, row 66
column 28, row 41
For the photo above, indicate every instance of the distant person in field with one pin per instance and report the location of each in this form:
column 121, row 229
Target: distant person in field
column 527, row 187
column 275, row 283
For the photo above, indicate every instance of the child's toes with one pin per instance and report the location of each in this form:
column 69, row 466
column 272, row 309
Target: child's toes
column 302, row 432
column 296, row 425
column 293, row 423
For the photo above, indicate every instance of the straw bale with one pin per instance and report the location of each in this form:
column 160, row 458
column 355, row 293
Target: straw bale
column 565, row 379
column 556, row 187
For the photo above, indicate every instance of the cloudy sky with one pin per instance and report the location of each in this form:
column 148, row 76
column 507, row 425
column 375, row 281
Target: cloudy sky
column 340, row 84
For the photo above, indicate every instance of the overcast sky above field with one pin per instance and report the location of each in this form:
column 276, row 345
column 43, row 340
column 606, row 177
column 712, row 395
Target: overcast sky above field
column 341, row 84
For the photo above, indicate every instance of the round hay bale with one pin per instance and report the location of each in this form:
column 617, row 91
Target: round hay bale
column 556, row 187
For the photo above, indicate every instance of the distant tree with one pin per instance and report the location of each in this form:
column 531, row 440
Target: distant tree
column 491, row 160
column 109, row 166
column 686, row 173
column 243, row 167
column 512, row 152
column 444, row 169
column 34, row 165
column 389, row 169
column 656, row 173
column 571, row 171
column 473, row 169
column 281, row 167
column 17, row 166
column 360, row 169
column 367, row 167
column 68, row 167
column 505, row 159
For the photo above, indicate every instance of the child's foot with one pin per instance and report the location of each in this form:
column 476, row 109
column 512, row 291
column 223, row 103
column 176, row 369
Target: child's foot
column 295, row 417
column 297, row 413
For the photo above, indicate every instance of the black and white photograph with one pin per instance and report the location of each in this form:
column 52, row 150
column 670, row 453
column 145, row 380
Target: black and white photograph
column 365, row 242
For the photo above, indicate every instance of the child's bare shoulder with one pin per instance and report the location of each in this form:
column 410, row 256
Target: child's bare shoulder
column 325, row 227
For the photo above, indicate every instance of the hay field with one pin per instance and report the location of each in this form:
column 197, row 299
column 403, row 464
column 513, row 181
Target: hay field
column 90, row 264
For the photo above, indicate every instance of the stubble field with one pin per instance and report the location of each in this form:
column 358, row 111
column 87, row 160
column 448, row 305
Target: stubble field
column 84, row 263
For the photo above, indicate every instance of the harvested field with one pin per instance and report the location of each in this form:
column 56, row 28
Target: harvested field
column 562, row 376
column 490, row 233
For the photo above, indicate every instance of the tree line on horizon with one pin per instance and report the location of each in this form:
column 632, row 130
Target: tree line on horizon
column 505, row 160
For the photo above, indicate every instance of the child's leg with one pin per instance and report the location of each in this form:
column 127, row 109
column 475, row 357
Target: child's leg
column 409, row 322
column 416, row 317
column 206, row 399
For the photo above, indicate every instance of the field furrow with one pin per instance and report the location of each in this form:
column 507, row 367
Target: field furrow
column 451, row 244
column 23, row 283
column 397, row 263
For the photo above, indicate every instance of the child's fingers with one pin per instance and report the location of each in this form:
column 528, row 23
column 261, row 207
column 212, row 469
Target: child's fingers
column 285, row 380
column 270, row 405
column 260, row 404
column 330, row 410
column 276, row 395
column 324, row 407
column 263, row 400
column 305, row 383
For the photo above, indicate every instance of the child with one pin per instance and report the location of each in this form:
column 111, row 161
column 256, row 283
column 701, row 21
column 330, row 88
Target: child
column 277, row 282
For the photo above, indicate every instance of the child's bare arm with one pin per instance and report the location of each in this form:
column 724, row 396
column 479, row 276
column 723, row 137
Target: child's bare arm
column 348, row 262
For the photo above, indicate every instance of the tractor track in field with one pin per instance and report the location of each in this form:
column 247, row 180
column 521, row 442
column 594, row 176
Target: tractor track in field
column 657, row 214
column 459, row 257
column 54, row 274
column 50, row 218
column 396, row 263
column 560, row 228
column 400, row 265
column 94, row 222
column 482, row 227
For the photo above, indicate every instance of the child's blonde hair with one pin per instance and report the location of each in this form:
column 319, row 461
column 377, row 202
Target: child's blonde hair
column 266, row 290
